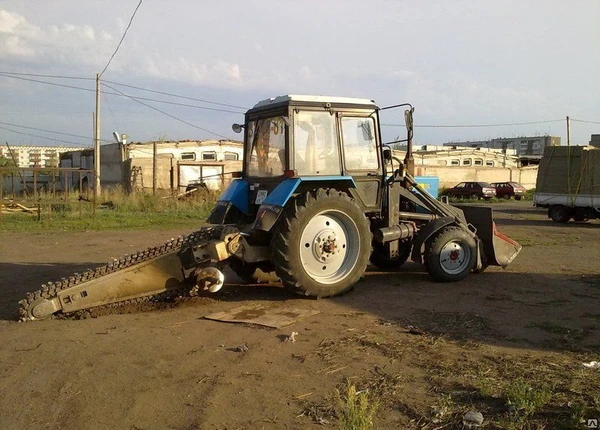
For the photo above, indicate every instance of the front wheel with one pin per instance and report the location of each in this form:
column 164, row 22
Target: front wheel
column 322, row 244
column 451, row 254
column 559, row 213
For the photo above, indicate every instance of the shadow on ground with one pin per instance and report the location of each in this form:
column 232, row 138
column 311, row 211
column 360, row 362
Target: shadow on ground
column 544, row 311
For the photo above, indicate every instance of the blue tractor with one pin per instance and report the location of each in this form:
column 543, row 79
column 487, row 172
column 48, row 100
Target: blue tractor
column 320, row 196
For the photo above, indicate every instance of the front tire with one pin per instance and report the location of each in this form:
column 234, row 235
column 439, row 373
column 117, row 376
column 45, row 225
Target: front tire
column 451, row 254
column 559, row 213
column 322, row 244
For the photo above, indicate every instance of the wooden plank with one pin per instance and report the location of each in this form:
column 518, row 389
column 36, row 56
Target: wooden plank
column 275, row 317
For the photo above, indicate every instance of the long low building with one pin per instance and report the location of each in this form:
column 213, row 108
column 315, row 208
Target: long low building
column 525, row 146
column 453, row 165
column 131, row 165
column 434, row 155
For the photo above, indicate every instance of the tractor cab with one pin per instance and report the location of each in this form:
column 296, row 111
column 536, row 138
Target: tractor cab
column 294, row 144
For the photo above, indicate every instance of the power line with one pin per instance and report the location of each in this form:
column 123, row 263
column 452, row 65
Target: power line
column 48, row 83
column 176, row 95
column 43, row 137
column 165, row 113
column 15, row 74
column 587, row 122
column 48, row 131
column 174, row 103
column 123, row 37
column 121, row 94
column 478, row 125
column 47, row 76
column 111, row 111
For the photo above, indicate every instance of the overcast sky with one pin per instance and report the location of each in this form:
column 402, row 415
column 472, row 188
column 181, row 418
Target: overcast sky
column 457, row 62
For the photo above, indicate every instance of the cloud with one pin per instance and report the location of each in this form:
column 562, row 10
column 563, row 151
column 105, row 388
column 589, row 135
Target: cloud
column 218, row 73
column 65, row 45
column 86, row 49
column 12, row 23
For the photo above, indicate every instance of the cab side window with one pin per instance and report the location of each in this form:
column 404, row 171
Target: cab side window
column 359, row 143
column 315, row 144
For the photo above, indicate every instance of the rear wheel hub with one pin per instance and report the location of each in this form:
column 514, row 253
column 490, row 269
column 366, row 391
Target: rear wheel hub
column 323, row 250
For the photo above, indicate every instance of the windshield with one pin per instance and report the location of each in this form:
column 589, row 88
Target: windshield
column 266, row 140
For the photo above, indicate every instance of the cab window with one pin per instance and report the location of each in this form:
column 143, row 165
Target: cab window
column 266, row 157
column 360, row 149
column 315, row 144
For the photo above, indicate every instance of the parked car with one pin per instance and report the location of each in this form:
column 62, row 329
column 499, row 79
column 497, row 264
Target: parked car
column 471, row 190
column 506, row 190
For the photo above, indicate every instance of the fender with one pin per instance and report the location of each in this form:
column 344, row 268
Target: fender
column 425, row 233
column 234, row 196
column 273, row 205
column 237, row 194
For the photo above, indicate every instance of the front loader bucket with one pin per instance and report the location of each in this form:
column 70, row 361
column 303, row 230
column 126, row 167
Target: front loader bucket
column 500, row 250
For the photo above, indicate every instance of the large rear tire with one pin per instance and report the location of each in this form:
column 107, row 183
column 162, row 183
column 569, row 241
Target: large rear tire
column 451, row 254
column 322, row 244
column 380, row 259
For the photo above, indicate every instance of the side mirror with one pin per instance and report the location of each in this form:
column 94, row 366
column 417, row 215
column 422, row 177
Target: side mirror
column 387, row 154
column 408, row 118
column 237, row 128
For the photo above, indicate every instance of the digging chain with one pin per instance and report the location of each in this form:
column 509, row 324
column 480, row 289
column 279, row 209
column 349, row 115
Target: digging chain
column 51, row 289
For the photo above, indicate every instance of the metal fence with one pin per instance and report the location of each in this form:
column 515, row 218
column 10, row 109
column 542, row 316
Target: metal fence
column 40, row 189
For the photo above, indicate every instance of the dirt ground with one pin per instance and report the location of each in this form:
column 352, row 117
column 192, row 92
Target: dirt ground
column 428, row 352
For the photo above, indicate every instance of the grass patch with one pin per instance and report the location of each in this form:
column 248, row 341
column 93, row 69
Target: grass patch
column 423, row 382
column 115, row 210
column 524, row 400
column 356, row 409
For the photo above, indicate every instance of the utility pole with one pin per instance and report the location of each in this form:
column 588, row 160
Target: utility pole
column 154, row 153
column 97, row 140
column 568, row 157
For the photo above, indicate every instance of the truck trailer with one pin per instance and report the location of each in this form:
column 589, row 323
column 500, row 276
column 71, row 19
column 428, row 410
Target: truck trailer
column 568, row 183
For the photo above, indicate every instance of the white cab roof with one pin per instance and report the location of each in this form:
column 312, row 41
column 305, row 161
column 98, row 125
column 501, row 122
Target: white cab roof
column 314, row 99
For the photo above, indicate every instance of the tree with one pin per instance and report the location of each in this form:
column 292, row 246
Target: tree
column 6, row 162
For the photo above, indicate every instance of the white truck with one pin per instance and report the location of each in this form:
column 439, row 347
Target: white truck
column 568, row 183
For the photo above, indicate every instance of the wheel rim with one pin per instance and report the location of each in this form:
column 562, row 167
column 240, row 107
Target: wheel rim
column 329, row 247
column 455, row 257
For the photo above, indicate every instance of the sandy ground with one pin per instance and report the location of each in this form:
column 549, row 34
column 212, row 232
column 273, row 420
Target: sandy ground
column 171, row 368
